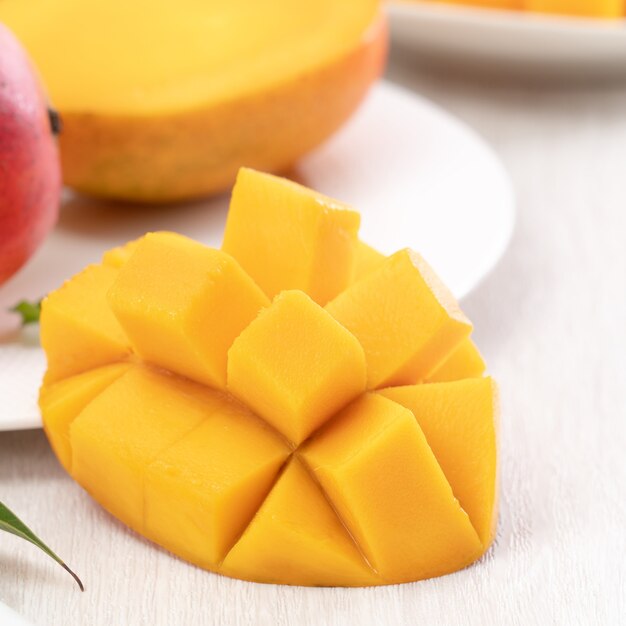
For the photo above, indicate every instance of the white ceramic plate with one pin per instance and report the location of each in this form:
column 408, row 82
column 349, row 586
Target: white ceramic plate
column 534, row 43
column 419, row 177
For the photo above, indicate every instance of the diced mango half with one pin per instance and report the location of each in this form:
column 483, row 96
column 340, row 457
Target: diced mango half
column 61, row 402
column 183, row 304
column 295, row 365
column 264, row 440
column 464, row 362
column 202, row 492
column 289, row 237
column 377, row 468
column 78, row 330
column 460, row 422
column 406, row 320
column 297, row 539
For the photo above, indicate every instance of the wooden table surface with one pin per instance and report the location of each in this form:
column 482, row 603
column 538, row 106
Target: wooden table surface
column 551, row 320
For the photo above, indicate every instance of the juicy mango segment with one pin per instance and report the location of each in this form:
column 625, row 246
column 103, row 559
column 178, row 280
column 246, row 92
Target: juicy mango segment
column 296, row 539
column 78, row 331
column 375, row 464
column 116, row 257
column 464, row 362
column 289, row 237
column 182, row 304
column 295, row 365
column 125, row 428
column 367, row 260
column 61, row 402
column 578, row 8
column 460, row 422
column 406, row 320
column 202, row 491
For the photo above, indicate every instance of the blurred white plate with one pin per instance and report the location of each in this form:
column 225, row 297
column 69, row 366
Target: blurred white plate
column 537, row 44
column 419, row 177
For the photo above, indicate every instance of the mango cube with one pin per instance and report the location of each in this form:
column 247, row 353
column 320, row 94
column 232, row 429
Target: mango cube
column 295, row 365
column 379, row 472
column 62, row 402
column 202, row 492
column 464, row 362
column 289, row 237
column 297, row 539
column 182, row 304
column 78, row 330
column 125, row 428
column 406, row 320
column 460, row 422
column 367, row 260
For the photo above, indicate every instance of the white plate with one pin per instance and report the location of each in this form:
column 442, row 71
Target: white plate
column 419, row 177
column 535, row 43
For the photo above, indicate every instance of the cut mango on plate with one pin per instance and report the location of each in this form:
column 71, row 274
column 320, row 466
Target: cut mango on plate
column 163, row 100
column 231, row 418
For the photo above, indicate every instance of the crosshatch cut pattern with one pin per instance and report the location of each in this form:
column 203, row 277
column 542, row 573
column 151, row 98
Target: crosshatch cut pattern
column 344, row 436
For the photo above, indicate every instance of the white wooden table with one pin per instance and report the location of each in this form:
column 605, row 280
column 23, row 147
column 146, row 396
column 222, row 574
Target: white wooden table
column 552, row 323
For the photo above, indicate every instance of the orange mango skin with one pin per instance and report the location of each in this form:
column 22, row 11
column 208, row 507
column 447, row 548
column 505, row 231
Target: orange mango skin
column 179, row 156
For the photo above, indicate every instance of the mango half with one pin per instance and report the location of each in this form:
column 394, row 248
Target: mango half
column 319, row 417
column 164, row 100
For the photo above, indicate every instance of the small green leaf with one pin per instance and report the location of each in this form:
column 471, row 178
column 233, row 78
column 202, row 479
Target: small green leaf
column 10, row 523
column 29, row 311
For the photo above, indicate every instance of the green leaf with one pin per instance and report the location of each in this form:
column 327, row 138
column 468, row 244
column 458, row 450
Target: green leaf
column 10, row 523
column 29, row 311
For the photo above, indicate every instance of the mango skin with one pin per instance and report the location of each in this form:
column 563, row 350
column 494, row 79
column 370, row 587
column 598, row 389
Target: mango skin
column 167, row 158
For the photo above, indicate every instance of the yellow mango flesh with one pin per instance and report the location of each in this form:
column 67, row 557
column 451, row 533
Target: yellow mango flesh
column 296, row 539
column 202, row 492
column 487, row 4
column 61, row 403
column 230, row 49
column 460, row 422
column 116, row 257
column 404, row 317
column 289, row 237
column 464, row 362
column 78, row 330
column 300, row 381
column 578, row 8
column 165, row 100
column 377, row 468
column 183, row 304
column 238, row 434
column 125, row 428
column 367, row 260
